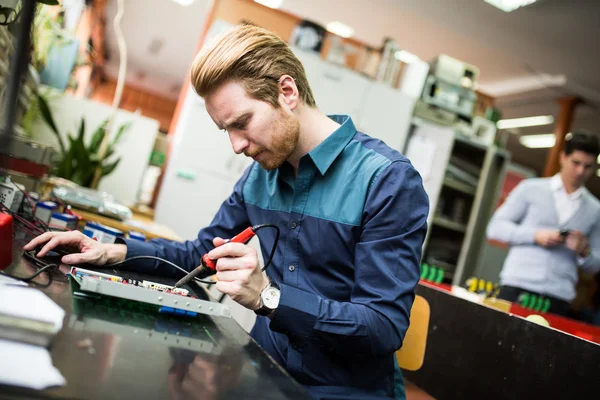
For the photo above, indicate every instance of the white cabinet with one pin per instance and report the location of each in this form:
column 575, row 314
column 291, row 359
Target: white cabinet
column 386, row 114
column 201, row 173
column 337, row 90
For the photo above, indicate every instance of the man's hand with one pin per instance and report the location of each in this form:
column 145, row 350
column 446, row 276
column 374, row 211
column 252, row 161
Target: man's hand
column 90, row 251
column 238, row 272
column 548, row 237
column 577, row 242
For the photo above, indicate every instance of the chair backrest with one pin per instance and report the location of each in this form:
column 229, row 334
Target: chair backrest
column 411, row 354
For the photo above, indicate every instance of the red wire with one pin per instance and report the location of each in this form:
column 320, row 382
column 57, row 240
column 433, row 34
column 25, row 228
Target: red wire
column 28, row 198
column 32, row 229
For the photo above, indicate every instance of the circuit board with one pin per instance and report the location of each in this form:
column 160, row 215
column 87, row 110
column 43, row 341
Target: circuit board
column 80, row 272
column 161, row 298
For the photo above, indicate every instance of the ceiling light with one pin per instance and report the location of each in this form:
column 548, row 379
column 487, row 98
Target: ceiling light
column 544, row 141
column 509, row 5
column 598, row 172
column 184, row 2
column 405, row 56
column 523, row 84
column 337, row 28
column 524, row 122
column 598, row 159
column 270, row 3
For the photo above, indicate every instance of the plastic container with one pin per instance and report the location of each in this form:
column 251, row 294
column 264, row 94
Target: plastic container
column 66, row 221
column 45, row 209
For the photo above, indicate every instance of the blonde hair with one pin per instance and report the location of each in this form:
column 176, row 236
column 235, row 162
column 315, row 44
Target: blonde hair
column 253, row 56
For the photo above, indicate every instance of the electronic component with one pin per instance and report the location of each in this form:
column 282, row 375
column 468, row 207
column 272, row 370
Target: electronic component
column 159, row 287
column 90, row 282
column 10, row 195
column 6, row 238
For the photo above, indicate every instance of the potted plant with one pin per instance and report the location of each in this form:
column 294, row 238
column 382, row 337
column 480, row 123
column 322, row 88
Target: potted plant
column 78, row 161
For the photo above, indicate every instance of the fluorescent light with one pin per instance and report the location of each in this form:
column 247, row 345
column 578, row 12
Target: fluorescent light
column 406, row 57
column 509, row 5
column 543, row 141
column 524, row 122
column 598, row 159
column 523, row 84
column 598, row 172
column 270, row 3
column 337, row 28
column 184, row 2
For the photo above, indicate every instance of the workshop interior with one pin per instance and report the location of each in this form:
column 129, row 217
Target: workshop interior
column 495, row 103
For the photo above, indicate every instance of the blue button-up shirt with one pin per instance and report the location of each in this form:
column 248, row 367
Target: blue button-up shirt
column 353, row 221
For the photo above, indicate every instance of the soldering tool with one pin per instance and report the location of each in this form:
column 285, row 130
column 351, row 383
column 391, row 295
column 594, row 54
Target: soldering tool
column 207, row 265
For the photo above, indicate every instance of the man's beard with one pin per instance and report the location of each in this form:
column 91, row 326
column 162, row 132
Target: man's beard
column 283, row 142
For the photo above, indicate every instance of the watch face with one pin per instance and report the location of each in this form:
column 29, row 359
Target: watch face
column 270, row 298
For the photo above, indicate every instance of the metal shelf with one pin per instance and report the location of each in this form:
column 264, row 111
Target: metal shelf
column 449, row 224
column 460, row 186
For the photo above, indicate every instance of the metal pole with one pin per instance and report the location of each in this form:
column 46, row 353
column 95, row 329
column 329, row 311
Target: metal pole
column 18, row 66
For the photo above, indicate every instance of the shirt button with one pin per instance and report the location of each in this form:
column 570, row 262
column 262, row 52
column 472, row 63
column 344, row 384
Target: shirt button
column 291, row 268
column 294, row 225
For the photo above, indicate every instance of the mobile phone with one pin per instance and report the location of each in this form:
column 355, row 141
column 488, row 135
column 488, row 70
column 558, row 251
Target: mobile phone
column 564, row 232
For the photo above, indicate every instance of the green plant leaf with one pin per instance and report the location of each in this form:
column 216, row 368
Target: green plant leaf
column 47, row 115
column 110, row 167
column 65, row 166
column 97, row 138
column 81, row 130
column 123, row 129
column 49, row 2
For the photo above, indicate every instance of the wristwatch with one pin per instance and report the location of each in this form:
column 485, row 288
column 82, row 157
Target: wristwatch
column 269, row 299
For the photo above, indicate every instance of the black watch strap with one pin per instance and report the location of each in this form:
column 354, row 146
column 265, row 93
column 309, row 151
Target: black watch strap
column 263, row 310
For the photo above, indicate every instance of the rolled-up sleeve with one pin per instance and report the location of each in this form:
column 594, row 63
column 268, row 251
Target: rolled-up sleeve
column 387, row 269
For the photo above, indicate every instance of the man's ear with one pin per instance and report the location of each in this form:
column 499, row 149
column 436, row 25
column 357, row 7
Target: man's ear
column 288, row 92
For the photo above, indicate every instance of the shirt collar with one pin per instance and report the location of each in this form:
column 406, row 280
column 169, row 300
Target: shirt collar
column 327, row 151
column 556, row 184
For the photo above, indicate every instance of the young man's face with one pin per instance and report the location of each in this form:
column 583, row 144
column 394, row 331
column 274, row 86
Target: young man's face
column 269, row 135
column 577, row 167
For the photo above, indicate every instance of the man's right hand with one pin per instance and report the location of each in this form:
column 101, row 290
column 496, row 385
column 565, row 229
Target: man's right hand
column 90, row 251
column 548, row 237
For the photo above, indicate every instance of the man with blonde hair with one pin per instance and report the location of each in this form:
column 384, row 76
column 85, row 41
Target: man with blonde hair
column 334, row 305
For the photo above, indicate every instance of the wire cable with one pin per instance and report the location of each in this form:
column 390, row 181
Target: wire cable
column 157, row 259
column 255, row 228
column 30, row 278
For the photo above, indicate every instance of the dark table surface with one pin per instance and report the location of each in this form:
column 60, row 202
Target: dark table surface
column 110, row 348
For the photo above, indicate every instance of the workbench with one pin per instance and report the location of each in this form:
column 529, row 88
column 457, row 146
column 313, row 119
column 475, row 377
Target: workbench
column 138, row 223
column 136, row 354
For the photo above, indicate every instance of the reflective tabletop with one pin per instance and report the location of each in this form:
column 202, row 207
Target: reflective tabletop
column 114, row 348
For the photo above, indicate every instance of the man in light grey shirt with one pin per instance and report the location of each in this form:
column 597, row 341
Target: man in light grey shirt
column 553, row 227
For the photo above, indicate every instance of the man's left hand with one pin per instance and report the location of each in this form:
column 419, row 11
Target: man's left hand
column 577, row 242
column 238, row 272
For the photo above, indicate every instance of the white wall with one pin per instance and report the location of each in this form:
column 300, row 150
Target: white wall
column 134, row 148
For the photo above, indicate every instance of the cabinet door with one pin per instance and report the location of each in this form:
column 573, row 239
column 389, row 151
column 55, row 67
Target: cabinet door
column 201, row 173
column 428, row 148
column 199, row 143
column 341, row 91
column 386, row 115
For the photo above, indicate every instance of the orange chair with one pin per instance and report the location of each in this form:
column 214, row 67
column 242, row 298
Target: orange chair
column 411, row 354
